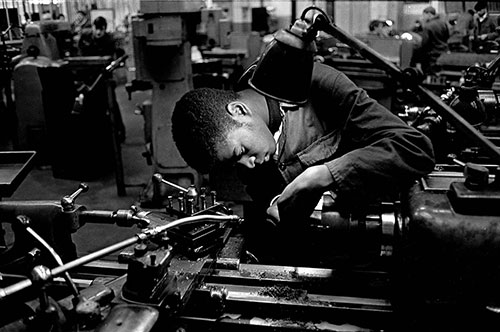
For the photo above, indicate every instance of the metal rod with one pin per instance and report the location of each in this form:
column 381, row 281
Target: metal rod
column 95, row 255
column 159, row 179
column 8, row 19
column 363, row 49
column 435, row 102
column 117, row 246
column 56, row 257
column 458, row 122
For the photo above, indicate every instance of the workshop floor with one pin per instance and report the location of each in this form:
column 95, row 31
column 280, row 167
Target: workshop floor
column 102, row 195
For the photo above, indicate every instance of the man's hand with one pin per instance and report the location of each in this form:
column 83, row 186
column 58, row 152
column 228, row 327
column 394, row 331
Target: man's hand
column 273, row 215
column 299, row 198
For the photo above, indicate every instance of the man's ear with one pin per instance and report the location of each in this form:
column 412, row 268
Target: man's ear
column 237, row 109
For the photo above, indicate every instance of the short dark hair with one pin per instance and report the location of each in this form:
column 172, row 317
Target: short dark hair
column 200, row 124
column 480, row 5
column 100, row 23
column 377, row 23
column 430, row 10
column 373, row 24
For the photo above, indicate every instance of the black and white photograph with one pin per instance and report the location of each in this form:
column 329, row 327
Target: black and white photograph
column 249, row 165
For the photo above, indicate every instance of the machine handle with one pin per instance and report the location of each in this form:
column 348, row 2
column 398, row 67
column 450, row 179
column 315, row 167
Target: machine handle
column 158, row 178
column 112, row 66
column 68, row 201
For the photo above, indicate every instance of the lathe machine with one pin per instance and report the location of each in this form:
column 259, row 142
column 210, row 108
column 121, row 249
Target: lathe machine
column 426, row 262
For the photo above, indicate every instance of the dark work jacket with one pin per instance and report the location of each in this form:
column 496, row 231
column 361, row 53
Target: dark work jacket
column 367, row 149
column 435, row 37
column 92, row 46
column 487, row 27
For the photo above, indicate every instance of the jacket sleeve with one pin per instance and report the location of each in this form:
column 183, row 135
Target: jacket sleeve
column 377, row 150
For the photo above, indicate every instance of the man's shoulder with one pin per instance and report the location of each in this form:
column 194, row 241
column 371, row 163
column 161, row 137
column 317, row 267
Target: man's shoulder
column 320, row 70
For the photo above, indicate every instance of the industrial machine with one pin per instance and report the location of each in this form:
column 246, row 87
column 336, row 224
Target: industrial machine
column 426, row 261
column 162, row 47
column 396, row 266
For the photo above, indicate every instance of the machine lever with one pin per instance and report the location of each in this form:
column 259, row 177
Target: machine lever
column 454, row 159
column 159, row 179
column 68, row 202
column 119, row 217
column 476, row 176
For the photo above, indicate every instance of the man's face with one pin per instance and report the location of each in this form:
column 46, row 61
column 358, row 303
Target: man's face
column 386, row 31
column 426, row 17
column 382, row 30
column 249, row 144
column 79, row 17
column 99, row 32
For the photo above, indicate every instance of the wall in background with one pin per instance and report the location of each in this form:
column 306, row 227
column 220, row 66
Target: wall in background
column 35, row 8
column 353, row 16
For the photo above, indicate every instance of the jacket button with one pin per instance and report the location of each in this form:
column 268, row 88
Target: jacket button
column 282, row 166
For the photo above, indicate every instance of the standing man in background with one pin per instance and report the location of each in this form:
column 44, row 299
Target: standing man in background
column 435, row 37
column 485, row 26
column 462, row 32
column 486, row 30
column 97, row 41
column 80, row 23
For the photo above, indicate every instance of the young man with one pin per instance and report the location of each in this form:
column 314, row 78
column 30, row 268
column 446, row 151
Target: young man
column 379, row 28
column 97, row 41
column 485, row 25
column 340, row 140
column 435, row 35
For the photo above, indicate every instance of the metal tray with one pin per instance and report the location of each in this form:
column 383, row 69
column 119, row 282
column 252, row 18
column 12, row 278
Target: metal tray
column 14, row 166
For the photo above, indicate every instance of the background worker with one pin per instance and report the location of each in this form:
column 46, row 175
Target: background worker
column 97, row 41
column 379, row 28
column 462, row 32
column 485, row 28
column 435, row 37
column 79, row 24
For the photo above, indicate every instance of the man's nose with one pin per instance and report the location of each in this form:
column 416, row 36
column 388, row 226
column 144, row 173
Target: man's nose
column 248, row 161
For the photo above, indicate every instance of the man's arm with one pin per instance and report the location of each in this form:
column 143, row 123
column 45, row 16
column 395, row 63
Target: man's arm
column 378, row 150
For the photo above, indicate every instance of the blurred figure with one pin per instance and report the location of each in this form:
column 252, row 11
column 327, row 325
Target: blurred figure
column 81, row 22
column 462, row 32
column 417, row 27
column 487, row 34
column 272, row 19
column 485, row 26
column 379, row 28
column 126, row 23
column 34, row 44
column 435, row 37
column 46, row 16
column 97, row 41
